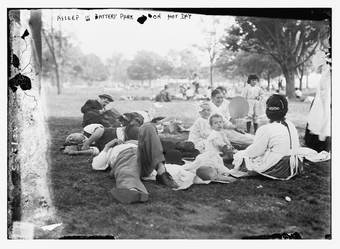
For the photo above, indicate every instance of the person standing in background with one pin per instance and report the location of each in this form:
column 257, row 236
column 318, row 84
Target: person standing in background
column 253, row 94
column 318, row 128
column 196, row 83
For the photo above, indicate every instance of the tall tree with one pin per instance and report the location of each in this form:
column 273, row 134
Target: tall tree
column 50, row 38
column 302, row 70
column 244, row 63
column 289, row 42
column 212, row 28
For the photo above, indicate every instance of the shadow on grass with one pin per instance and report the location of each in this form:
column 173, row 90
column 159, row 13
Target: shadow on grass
column 250, row 206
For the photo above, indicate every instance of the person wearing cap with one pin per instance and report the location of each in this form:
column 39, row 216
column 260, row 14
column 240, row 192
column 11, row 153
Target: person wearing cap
column 275, row 151
column 94, row 110
column 253, row 94
column 131, row 160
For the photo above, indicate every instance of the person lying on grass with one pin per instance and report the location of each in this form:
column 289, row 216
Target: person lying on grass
column 209, row 173
column 274, row 153
column 74, row 142
column 99, row 136
column 131, row 160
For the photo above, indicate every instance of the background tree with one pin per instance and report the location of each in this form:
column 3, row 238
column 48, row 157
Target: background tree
column 116, row 67
column 146, row 66
column 213, row 32
column 183, row 64
column 289, row 42
column 121, row 74
column 93, row 69
column 302, row 70
column 52, row 39
column 241, row 64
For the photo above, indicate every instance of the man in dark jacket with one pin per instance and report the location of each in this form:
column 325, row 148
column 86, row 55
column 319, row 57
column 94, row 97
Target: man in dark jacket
column 95, row 113
column 164, row 95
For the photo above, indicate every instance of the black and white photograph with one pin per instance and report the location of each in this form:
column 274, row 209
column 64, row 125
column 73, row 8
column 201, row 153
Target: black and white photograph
column 169, row 123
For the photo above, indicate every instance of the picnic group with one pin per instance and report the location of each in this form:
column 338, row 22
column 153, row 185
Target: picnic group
column 130, row 147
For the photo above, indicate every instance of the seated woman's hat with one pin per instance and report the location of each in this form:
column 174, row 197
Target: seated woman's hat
column 107, row 96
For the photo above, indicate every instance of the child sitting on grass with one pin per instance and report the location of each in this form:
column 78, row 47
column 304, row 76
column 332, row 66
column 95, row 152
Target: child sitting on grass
column 217, row 140
column 201, row 129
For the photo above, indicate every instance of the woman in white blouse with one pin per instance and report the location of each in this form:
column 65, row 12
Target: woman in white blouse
column 274, row 152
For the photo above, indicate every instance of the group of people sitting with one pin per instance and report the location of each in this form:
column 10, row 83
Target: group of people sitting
column 130, row 146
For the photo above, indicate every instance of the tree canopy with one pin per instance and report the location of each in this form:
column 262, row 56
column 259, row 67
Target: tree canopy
column 289, row 42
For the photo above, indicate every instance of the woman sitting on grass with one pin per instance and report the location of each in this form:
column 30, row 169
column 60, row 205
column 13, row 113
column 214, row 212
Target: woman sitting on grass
column 221, row 106
column 274, row 153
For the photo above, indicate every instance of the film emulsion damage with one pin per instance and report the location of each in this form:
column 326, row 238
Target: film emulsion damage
column 28, row 197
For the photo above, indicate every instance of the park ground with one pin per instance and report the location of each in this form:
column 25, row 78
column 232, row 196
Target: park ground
column 247, row 207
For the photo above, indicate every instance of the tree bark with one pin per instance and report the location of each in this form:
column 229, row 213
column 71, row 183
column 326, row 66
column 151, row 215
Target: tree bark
column 56, row 68
column 268, row 80
column 300, row 83
column 211, row 76
column 290, row 84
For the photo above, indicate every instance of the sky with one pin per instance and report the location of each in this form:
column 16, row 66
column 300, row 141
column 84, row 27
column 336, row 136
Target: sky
column 118, row 30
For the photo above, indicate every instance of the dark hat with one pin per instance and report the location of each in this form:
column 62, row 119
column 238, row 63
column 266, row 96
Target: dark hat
column 107, row 96
column 252, row 77
column 187, row 146
column 126, row 118
column 174, row 157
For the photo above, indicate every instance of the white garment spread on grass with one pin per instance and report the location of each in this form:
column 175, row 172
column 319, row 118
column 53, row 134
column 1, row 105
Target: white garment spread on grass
column 319, row 157
column 185, row 175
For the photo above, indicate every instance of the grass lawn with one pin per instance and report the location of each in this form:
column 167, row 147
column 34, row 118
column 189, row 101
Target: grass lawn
column 248, row 207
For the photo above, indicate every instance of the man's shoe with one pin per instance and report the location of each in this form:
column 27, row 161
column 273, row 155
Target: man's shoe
column 127, row 196
column 166, row 179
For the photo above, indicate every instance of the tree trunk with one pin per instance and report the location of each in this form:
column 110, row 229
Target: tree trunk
column 300, row 83
column 268, row 80
column 52, row 50
column 211, row 76
column 290, row 84
column 59, row 83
